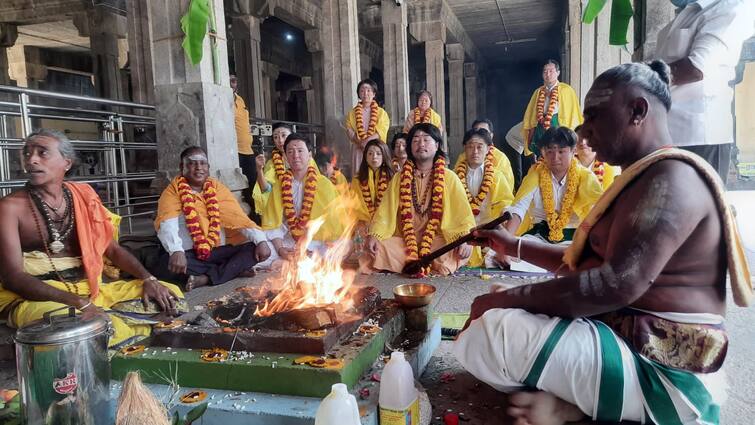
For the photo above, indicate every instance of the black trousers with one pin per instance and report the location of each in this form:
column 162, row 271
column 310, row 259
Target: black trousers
column 225, row 263
column 718, row 156
column 249, row 168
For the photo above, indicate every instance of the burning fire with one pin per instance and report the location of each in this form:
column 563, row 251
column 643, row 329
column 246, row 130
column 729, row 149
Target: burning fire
column 316, row 280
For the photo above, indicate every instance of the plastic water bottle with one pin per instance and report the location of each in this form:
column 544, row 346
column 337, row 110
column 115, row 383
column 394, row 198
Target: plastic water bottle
column 399, row 400
column 338, row 408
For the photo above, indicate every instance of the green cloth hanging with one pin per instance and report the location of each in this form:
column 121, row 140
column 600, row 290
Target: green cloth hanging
column 194, row 26
column 621, row 13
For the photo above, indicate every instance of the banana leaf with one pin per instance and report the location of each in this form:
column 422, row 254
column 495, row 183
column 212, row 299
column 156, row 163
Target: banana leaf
column 194, row 26
column 592, row 10
column 621, row 13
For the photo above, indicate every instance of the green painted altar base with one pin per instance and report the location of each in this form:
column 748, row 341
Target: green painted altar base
column 272, row 373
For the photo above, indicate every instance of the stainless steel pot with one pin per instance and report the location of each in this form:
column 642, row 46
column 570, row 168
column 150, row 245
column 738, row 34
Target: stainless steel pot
column 64, row 370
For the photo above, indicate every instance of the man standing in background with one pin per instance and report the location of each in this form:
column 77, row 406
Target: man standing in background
column 702, row 46
column 244, row 141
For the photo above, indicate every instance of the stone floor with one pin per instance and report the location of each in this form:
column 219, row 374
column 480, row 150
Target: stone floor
column 480, row 403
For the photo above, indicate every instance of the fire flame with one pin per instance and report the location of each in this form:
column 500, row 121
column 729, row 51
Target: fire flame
column 315, row 279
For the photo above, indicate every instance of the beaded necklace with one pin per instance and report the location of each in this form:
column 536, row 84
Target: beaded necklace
column 57, row 236
column 34, row 199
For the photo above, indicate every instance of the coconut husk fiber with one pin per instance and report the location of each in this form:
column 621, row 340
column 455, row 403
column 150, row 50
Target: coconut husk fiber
column 137, row 405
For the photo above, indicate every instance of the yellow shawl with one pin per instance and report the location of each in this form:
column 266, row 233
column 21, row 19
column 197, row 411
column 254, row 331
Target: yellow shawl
column 457, row 218
column 232, row 217
column 500, row 161
column 326, row 194
column 260, row 197
column 588, row 192
column 569, row 111
column 360, row 210
column 381, row 127
column 739, row 272
column 500, row 196
column 434, row 120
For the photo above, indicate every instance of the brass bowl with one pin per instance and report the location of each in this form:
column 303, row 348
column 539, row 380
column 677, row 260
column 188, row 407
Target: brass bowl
column 414, row 294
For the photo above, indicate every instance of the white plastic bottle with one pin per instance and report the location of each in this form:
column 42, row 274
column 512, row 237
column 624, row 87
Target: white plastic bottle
column 338, row 408
column 399, row 399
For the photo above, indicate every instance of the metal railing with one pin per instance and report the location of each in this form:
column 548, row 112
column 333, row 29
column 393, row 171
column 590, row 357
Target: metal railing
column 112, row 153
column 316, row 133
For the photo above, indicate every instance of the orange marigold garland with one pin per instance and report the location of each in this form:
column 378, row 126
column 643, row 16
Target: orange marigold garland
column 203, row 243
column 406, row 211
column 487, row 181
column 558, row 220
column 334, row 176
column 371, row 128
column 298, row 224
column 421, row 117
column 380, row 187
column 598, row 168
column 279, row 164
column 544, row 117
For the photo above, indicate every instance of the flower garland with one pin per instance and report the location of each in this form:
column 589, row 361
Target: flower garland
column 361, row 134
column 396, row 165
column 406, row 210
column 279, row 164
column 421, row 117
column 382, row 185
column 203, row 244
column 298, row 224
column 487, row 181
column 558, row 220
column 598, row 168
column 545, row 119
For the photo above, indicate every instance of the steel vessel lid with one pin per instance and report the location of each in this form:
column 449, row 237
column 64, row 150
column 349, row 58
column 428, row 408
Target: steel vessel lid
column 62, row 328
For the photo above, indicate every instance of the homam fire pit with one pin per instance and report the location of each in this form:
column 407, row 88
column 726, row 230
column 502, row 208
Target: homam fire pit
column 231, row 324
column 306, row 308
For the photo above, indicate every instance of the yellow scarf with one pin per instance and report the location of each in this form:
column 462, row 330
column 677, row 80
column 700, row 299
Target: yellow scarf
column 588, row 192
column 232, row 217
column 500, row 162
column 272, row 213
column 457, row 218
column 739, row 272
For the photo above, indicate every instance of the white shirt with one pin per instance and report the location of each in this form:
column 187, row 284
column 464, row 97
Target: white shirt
column 474, row 181
column 548, row 92
column 175, row 236
column 282, row 232
column 535, row 199
column 710, row 33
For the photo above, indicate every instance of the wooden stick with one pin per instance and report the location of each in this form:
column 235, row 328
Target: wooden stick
column 414, row 267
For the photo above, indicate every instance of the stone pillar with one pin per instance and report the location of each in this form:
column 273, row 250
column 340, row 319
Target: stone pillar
column 270, row 74
column 455, row 56
column 338, row 38
column 8, row 35
column 588, row 50
column 192, row 109
column 312, row 39
column 246, row 49
column 395, row 61
column 436, row 79
column 482, row 99
column 314, row 105
column 104, row 29
column 365, row 65
column 470, row 91
column 140, row 52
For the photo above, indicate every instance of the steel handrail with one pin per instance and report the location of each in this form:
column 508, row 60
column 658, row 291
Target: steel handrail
column 80, row 98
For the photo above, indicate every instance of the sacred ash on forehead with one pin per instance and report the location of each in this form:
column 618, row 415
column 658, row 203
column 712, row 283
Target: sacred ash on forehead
column 197, row 157
column 597, row 97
